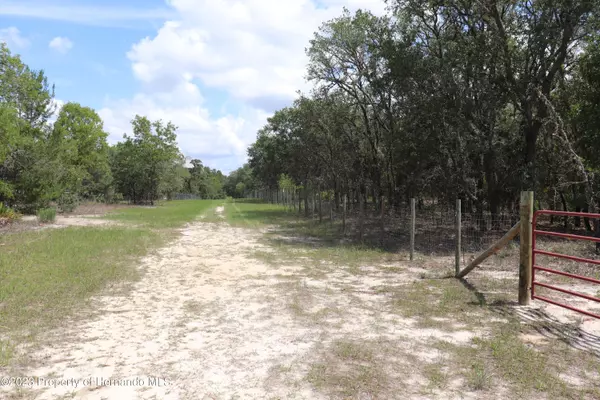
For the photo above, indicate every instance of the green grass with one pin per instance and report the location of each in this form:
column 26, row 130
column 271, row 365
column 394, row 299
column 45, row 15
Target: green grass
column 317, row 242
column 172, row 214
column 45, row 215
column 47, row 274
column 250, row 214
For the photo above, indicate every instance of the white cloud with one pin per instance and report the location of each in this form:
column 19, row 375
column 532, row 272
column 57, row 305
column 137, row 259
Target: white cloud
column 199, row 134
column 61, row 44
column 13, row 38
column 252, row 50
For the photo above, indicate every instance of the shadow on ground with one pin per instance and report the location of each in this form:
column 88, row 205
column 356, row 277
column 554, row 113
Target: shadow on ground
column 541, row 322
column 435, row 235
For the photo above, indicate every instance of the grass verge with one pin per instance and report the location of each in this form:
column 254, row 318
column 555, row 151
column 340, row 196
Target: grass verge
column 249, row 214
column 292, row 234
column 47, row 275
column 170, row 214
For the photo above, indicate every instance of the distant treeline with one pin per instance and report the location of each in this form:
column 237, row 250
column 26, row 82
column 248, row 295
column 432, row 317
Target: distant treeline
column 69, row 160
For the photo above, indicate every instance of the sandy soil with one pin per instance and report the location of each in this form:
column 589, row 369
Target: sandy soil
column 210, row 321
column 200, row 321
column 72, row 220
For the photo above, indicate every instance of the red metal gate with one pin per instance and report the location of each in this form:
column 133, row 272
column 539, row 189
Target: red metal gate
column 536, row 267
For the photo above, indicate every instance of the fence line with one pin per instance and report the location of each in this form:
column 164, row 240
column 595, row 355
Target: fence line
column 427, row 230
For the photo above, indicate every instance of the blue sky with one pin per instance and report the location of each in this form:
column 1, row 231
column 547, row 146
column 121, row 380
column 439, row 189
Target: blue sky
column 217, row 69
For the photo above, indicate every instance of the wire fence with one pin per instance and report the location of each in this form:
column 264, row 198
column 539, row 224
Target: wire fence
column 435, row 227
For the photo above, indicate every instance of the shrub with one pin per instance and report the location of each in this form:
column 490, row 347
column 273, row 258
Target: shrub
column 117, row 198
column 7, row 215
column 46, row 215
column 67, row 202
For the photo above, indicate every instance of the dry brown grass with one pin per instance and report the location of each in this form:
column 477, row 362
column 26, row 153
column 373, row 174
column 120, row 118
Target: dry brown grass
column 418, row 334
column 349, row 369
column 93, row 208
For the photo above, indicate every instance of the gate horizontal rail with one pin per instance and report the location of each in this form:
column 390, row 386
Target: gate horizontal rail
column 535, row 267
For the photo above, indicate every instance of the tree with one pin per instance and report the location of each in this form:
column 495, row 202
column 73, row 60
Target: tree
column 240, row 182
column 27, row 90
column 9, row 136
column 142, row 164
column 442, row 100
column 28, row 171
column 78, row 136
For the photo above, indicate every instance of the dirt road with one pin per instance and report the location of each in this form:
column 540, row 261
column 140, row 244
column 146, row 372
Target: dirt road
column 206, row 321
column 210, row 319
column 200, row 324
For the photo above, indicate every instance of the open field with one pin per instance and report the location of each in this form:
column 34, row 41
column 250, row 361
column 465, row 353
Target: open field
column 168, row 215
column 250, row 301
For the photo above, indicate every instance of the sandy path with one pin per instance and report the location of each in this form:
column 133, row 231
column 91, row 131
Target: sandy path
column 208, row 320
column 200, row 321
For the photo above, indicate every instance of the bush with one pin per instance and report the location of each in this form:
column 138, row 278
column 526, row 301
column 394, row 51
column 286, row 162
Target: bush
column 46, row 215
column 7, row 215
column 117, row 198
column 68, row 202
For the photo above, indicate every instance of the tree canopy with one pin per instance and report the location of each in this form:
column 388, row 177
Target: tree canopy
column 69, row 159
column 446, row 99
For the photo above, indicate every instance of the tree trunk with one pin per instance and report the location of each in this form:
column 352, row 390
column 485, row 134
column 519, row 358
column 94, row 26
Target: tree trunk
column 481, row 219
column 494, row 207
column 320, row 205
column 586, row 222
column 564, row 204
column 361, row 217
column 305, row 202
column 597, row 228
column 490, row 181
column 532, row 130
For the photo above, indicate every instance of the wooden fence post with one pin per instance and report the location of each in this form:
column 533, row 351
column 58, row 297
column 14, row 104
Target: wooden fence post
column 525, row 266
column 458, row 236
column 413, row 218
